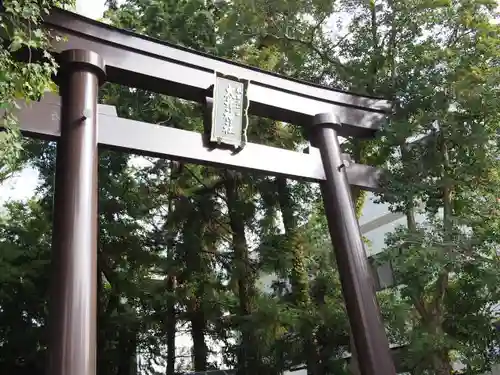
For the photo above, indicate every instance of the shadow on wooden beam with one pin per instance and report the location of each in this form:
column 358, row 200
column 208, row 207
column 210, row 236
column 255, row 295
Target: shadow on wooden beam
column 41, row 119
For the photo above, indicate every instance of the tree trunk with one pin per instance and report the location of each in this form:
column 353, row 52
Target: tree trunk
column 353, row 364
column 198, row 321
column 127, row 355
column 198, row 327
column 193, row 235
column 247, row 356
column 170, row 325
column 105, row 355
column 299, row 277
column 441, row 363
column 101, row 316
column 171, row 318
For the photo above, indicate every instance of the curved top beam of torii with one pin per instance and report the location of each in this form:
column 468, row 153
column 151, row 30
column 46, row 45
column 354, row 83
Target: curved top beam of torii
column 142, row 62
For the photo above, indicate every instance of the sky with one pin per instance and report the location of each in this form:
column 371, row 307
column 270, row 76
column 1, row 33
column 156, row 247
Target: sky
column 90, row 8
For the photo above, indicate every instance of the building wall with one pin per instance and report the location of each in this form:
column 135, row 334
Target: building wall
column 495, row 370
column 375, row 222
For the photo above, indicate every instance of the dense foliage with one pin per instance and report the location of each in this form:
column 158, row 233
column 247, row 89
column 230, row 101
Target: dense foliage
column 28, row 78
column 201, row 268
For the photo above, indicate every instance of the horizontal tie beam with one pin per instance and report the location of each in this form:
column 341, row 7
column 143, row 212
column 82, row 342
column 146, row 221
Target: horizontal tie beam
column 41, row 119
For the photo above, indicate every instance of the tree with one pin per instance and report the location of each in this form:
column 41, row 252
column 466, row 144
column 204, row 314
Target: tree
column 446, row 268
column 25, row 238
column 182, row 247
column 22, row 35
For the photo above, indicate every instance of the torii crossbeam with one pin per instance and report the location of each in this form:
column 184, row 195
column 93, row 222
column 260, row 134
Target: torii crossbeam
column 93, row 52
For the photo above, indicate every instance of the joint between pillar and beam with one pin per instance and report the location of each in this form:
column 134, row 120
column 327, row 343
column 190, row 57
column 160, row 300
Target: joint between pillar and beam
column 370, row 339
column 327, row 119
column 78, row 59
column 332, row 121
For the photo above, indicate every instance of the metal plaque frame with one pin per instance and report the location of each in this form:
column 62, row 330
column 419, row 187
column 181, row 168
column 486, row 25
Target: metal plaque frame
column 238, row 140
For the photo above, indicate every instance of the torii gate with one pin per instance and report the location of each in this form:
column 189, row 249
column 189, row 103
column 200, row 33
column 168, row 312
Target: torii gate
column 94, row 52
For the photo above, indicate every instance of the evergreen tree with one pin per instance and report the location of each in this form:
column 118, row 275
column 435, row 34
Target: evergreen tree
column 184, row 249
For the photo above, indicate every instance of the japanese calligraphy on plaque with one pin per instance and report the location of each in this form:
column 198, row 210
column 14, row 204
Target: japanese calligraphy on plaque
column 230, row 111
